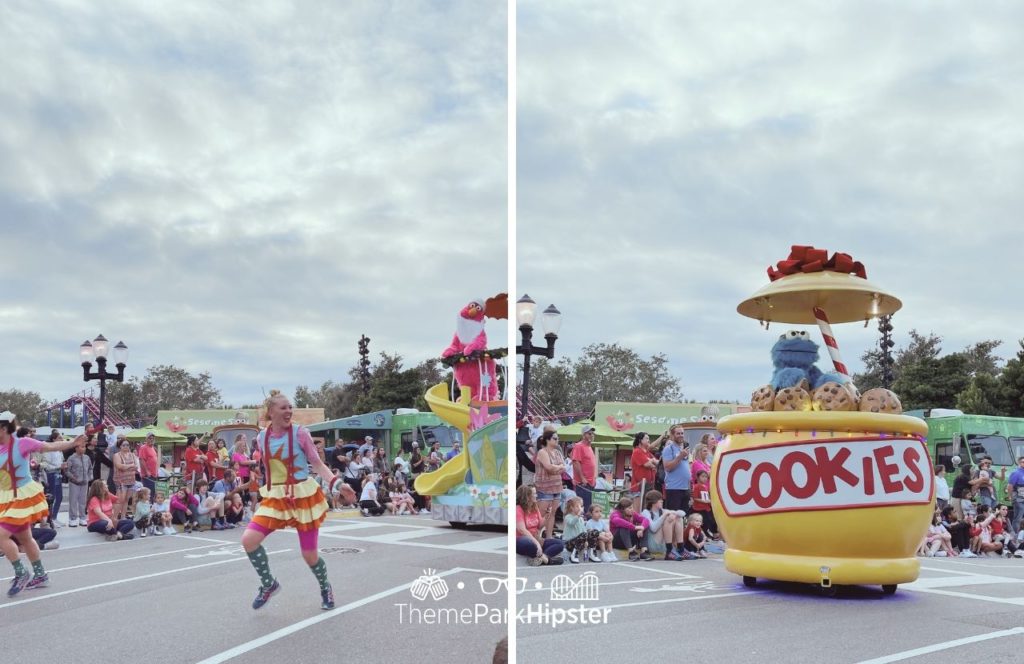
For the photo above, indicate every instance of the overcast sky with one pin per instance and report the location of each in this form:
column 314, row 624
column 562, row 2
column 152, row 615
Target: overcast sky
column 245, row 189
column 668, row 153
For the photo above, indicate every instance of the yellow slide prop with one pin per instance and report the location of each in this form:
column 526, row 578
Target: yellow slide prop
column 453, row 471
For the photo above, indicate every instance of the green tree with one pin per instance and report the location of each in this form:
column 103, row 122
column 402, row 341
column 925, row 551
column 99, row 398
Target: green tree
column 932, row 382
column 975, row 399
column 164, row 387
column 391, row 386
column 28, row 406
column 1010, row 391
column 337, row 399
column 603, row 372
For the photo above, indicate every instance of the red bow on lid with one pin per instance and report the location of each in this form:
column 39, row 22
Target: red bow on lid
column 807, row 259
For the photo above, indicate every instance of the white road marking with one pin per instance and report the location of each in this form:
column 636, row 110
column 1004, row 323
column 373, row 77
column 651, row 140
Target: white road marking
column 120, row 560
column 676, row 599
column 952, row 581
column 470, row 547
column 243, row 648
column 945, row 645
column 1013, row 601
column 530, row 589
column 40, row 598
column 655, row 568
column 401, row 536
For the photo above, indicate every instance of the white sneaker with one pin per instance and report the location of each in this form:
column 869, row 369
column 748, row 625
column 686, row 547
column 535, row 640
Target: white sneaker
column 49, row 546
column 58, row 523
column 74, row 523
column 609, row 557
column 424, row 511
column 940, row 554
column 83, row 523
column 170, row 531
column 593, row 557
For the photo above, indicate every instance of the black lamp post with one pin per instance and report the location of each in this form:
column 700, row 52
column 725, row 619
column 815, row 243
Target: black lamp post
column 886, row 343
column 364, row 363
column 97, row 350
column 526, row 312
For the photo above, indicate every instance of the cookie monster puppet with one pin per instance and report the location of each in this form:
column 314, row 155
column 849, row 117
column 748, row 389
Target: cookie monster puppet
column 794, row 355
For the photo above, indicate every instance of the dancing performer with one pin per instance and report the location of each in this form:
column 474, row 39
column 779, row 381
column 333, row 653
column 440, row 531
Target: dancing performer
column 22, row 501
column 290, row 498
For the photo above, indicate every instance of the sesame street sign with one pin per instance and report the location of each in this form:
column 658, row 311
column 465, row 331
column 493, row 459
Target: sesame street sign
column 630, row 418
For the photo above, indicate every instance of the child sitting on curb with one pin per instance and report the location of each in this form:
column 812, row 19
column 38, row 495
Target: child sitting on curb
column 143, row 521
column 598, row 524
column 694, row 535
column 575, row 534
column 628, row 530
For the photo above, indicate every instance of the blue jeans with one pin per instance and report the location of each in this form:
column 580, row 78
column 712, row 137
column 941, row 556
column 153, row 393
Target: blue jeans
column 124, row 526
column 150, row 483
column 526, row 547
column 55, row 488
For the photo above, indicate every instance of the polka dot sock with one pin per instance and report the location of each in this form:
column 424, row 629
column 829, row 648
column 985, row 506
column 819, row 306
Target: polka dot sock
column 19, row 569
column 259, row 561
column 320, row 572
column 37, row 568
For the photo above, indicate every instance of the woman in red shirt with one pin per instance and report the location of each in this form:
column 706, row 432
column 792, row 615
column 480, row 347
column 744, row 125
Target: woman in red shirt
column 195, row 462
column 644, row 466
column 100, row 510
column 528, row 523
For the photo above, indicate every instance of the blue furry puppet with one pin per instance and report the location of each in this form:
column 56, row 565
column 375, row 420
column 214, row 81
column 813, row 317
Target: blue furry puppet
column 794, row 355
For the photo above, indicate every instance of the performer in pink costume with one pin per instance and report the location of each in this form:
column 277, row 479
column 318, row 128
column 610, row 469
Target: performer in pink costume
column 478, row 373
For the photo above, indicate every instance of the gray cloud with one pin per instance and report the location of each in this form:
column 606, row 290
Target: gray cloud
column 668, row 153
column 246, row 193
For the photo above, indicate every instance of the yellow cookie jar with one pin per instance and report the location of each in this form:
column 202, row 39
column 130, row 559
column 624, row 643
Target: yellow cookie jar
column 830, row 498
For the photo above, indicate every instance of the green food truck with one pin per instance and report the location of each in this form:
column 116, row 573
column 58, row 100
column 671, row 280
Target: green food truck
column 391, row 429
column 953, row 435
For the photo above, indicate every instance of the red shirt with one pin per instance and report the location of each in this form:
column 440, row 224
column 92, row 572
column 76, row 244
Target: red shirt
column 697, row 533
column 701, row 499
column 588, row 463
column 195, row 461
column 213, row 458
column 531, row 520
column 147, row 460
column 106, row 506
column 638, row 459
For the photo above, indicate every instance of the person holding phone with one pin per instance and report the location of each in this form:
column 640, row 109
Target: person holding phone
column 676, row 458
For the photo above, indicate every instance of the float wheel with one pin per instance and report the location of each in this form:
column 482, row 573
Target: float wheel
column 749, row 581
column 889, row 589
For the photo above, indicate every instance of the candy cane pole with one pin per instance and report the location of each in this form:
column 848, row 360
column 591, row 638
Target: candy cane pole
column 830, row 341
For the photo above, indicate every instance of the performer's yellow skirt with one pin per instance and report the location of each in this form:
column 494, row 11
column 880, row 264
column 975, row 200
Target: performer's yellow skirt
column 304, row 509
column 28, row 508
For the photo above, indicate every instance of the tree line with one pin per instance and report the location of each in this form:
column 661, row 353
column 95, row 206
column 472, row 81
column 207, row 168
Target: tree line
column 167, row 387
column 973, row 380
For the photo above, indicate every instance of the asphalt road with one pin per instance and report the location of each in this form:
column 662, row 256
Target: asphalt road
column 186, row 598
column 959, row 610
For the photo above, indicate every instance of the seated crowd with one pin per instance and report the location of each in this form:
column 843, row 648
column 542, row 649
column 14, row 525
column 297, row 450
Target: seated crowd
column 675, row 523
column 218, row 489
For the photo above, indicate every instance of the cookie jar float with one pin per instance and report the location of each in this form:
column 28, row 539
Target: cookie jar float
column 821, row 484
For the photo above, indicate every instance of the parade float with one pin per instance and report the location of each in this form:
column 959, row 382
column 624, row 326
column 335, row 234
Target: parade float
column 472, row 487
column 821, row 484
